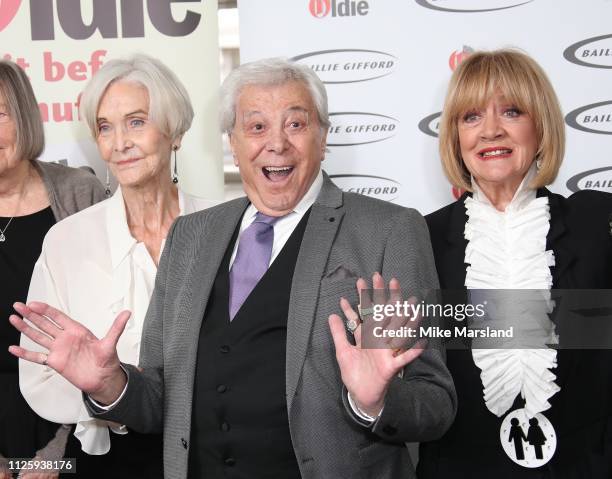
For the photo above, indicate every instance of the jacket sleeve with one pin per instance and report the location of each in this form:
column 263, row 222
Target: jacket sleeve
column 141, row 407
column 421, row 405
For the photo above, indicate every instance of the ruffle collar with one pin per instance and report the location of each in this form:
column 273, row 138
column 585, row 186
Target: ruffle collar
column 507, row 250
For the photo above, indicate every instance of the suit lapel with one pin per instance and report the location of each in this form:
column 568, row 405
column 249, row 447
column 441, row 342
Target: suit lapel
column 212, row 243
column 556, row 241
column 325, row 218
column 453, row 266
column 564, row 257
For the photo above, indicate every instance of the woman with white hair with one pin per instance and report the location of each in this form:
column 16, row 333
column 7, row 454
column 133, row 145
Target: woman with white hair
column 104, row 260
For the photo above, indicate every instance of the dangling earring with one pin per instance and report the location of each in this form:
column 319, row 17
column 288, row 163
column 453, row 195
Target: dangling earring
column 107, row 191
column 175, row 171
column 539, row 164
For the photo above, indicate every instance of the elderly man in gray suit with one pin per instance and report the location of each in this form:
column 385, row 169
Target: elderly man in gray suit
column 244, row 365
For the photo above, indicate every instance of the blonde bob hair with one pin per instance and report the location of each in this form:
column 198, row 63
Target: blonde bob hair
column 523, row 82
column 169, row 104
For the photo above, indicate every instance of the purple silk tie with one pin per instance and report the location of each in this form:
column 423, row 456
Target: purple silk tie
column 251, row 261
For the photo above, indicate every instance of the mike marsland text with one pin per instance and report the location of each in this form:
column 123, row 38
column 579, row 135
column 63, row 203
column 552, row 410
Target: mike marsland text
column 422, row 332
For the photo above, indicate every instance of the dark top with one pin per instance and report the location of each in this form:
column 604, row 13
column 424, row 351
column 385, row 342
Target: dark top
column 22, row 432
column 581, row 412
column 240, row 426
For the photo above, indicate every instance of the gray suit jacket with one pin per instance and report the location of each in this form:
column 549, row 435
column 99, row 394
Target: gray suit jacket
column 347, row 236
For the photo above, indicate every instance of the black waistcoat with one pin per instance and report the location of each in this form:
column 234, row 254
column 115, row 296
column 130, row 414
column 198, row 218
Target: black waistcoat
column 240, row 427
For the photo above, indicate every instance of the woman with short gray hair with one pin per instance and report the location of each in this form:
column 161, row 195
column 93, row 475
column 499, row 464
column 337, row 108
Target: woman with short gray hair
column 137, row 111
column 33, row 196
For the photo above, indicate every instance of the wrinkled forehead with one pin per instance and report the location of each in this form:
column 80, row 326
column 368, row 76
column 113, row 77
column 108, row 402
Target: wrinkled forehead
column 123, row 96
column 274, row 99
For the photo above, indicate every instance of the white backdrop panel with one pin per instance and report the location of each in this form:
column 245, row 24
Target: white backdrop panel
column 386, row 64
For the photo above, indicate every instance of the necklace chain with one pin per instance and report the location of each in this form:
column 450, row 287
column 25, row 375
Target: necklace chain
column 2, row 237
column 2, row 231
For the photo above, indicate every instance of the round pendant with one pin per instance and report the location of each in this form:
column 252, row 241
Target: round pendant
column 528, row 442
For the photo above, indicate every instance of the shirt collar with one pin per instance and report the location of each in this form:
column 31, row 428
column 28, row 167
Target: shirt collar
column 120, row 238
column 304, row 204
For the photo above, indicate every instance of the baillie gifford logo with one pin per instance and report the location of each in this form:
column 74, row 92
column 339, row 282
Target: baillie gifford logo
column 593, row 118
column 375, row 186
column 338, row 8
column 594, row 52
column 430, row 125
column 471, row 6
column 360, row 128
column 8, row 10
column 597, row 179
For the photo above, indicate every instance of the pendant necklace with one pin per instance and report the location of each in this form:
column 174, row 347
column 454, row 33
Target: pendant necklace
column 2, row 237
column 2, row 231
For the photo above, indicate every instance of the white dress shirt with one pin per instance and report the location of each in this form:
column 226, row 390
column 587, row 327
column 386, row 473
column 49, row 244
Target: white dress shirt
column 286, row 224
column 91, row 268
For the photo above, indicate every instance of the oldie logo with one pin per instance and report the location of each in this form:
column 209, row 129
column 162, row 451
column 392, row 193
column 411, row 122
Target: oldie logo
column 458, row 56
column 8, row 10
column 471, row 6
column 349, row 65
column 338, row 8
column 593, row 52
column 319, row 8
column 597, row 179
column 359, row 128
column 430, row 125
column 376, row 186
column 104, row 19
column 593, row 118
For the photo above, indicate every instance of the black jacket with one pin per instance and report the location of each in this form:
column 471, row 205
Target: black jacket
column 581, row 412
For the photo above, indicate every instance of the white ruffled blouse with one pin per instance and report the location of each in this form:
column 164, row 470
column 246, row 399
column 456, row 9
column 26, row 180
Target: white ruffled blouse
column 507, row 250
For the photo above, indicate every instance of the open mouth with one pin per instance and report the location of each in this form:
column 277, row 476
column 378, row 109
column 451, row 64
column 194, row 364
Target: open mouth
column 492, row 153
column 277, row 173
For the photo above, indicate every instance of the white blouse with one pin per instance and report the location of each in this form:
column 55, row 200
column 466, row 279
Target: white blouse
column 507, row 250
column 91, row 268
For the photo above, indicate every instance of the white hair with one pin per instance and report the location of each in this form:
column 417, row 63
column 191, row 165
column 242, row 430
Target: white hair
column 268, row 72
column 169, row 104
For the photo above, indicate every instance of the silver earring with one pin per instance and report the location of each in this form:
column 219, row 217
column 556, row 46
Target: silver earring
column 175, row 171
column 107, row 190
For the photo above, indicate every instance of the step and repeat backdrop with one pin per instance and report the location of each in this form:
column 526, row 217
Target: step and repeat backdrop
column 386, row 65
column 62, row 43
